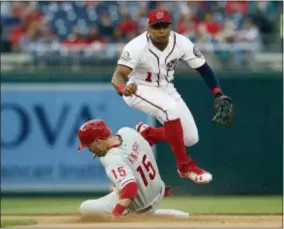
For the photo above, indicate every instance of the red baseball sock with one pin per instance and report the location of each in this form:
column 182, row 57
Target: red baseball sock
column 174, row 134
column 154, row 135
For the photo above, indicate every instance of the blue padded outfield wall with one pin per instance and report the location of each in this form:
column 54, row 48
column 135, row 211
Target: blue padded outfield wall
column 39, row 123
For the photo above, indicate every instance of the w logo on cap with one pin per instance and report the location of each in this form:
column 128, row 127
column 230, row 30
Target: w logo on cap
column 159, row 15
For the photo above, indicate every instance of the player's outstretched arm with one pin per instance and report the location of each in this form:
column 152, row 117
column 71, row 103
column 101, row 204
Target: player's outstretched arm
column 118, row 81
column 223, row 104
column 123, row 179
column 126, row 195
column 210, row 78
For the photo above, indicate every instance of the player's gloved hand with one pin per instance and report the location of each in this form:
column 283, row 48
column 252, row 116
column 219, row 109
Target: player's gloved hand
column 224, row 110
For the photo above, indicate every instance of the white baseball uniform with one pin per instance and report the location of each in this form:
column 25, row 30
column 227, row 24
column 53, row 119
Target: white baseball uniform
column 153, row 72
column 133, row 160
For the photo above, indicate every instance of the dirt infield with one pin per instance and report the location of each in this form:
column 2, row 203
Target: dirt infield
column 225, row 221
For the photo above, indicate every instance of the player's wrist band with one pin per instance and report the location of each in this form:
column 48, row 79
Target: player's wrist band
column 118, row 209
column 216, row 91
column 121, row 87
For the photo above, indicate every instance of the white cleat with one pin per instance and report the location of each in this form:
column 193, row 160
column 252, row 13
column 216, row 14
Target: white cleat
column 196, row 174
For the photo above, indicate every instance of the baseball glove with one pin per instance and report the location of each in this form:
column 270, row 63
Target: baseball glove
column 224, row 110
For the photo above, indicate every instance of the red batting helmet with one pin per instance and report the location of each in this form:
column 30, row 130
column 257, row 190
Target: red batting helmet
column 93, row 130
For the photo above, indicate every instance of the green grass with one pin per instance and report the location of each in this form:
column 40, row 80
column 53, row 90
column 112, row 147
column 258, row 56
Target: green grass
column 209, row 205
column 11, row 223
column 26, row 206
column 227, row 205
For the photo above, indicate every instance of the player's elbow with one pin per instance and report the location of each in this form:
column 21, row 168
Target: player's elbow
column 129, row 191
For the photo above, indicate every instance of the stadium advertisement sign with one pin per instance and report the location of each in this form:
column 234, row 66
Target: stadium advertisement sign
column 39, row 123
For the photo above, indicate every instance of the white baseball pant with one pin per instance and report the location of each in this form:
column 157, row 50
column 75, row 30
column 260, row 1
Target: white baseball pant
column 165, row 103
column 105, row 205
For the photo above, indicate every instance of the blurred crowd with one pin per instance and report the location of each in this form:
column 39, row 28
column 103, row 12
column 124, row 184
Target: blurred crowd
column 27, row 26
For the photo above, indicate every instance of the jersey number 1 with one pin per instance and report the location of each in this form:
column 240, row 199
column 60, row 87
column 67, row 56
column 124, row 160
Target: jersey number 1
column 149, row 77
column 149, row 168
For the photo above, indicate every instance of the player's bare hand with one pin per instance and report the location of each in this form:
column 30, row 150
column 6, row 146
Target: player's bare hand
column 130, row 89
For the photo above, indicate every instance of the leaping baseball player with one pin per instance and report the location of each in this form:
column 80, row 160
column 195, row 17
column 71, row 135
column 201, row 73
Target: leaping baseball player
column 130, row 165
column 148, row 63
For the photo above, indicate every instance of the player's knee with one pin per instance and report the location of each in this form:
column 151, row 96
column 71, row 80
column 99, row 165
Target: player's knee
column 88, row 207
column 191, row 139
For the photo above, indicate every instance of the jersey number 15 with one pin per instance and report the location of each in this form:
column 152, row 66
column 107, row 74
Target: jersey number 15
column 146, row 165
column 149, row 168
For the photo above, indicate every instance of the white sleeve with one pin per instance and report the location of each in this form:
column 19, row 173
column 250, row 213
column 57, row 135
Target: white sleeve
column 119, row 172
column 192, row 55
column 129, row 56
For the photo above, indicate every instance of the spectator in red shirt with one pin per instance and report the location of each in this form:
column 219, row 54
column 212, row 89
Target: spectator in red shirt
column 127, row 25
column 186, row 25
column 27, row 15
column 236, row 7
column 18, row 32
column 94, row 36
column 209, row 26
column 75, row 38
